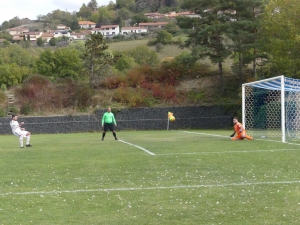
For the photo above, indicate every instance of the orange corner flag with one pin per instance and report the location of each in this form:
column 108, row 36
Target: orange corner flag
column 170, row 114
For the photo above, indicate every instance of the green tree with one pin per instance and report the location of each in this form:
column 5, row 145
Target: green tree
column 79, row 46
column 12, row 74
column 45, row 64
column 139, row 18
column 208, row 33
column 16, row 54
column 93, row 5
column 127, row 4
column 53, row 41
column 97, row 58
column 85, row 12
column 124, row 14
column 105, row 16
column 5, row 25
column 243, row 32
column 279, row 37
column 40, row 42
column 164, row 37
column 159, row 47
column 67, row 63
column 124, row 63
column 5, row 35
column 64, row 62
column 171, row 27
column 74, row 23
column 143, row 55
column 5, row 43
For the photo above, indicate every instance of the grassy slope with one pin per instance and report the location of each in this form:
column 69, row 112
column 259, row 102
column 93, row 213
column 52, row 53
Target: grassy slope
column 167, row 51
column 77, row 179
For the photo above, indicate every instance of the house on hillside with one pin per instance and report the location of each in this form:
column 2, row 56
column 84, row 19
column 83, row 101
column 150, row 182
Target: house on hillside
column 154, row 15
column 107, row 30
column 188, row 14
column 62, row 27
column 47, row 36
column 171, row 15
column 153, row 24
column 33, row 35
column 61, row 33
column 131, row 30
column 77, row 36
column 18, row 37
column 86, row 24
column 18, row 30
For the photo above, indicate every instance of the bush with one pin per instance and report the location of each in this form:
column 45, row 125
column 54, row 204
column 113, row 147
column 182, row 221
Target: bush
column 133, row 97
column 3, row 97
column 135, row 78
column 2, row 113
column 82, row 95
column 162, row 91
column 25, row 109
column 196, row 96
column 38, row 94
column 115, row 82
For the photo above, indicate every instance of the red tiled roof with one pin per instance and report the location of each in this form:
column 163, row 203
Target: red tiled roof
column 47, row 35
column 108, row 26
column 86, row 23
column 132, row 28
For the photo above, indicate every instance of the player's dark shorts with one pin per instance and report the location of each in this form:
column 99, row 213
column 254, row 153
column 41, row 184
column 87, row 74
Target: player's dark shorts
column 109, row 126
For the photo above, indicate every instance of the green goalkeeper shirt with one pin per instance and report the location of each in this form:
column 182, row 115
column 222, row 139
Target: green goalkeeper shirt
column 108, row 117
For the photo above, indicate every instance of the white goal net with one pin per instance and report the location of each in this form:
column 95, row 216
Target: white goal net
column 271, row 109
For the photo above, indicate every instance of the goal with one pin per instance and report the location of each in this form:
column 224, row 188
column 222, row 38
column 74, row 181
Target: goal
column 271, row 109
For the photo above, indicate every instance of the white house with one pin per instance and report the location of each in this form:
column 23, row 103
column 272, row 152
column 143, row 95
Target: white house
column 107, row 30
column 18, row 30
column 86, row 24
column 60, row 33
column 47, row 36
column 62, row 27
column 77, row 36
column 33, row 35
column 130, row 30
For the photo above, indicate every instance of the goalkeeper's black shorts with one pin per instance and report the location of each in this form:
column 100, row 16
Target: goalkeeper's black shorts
column 109, row 126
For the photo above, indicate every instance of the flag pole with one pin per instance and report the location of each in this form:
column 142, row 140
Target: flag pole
column 168, row 123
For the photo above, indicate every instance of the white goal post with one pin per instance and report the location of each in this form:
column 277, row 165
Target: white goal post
column 271, row 109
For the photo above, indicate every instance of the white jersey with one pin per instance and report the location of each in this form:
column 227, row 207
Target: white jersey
column 15, row 127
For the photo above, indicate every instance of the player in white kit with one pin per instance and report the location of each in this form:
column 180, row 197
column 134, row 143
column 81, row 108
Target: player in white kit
column 19, row 132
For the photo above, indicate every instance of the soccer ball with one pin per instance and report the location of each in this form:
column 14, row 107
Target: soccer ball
column 172, row 118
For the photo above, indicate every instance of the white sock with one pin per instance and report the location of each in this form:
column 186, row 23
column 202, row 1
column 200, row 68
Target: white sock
column 27, row 139
column 21, row 141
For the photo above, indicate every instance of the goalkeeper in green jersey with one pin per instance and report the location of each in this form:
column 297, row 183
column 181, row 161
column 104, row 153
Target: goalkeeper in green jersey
column 109, row 123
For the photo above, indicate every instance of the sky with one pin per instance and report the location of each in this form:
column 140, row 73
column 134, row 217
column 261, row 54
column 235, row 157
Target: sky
column 31, row 8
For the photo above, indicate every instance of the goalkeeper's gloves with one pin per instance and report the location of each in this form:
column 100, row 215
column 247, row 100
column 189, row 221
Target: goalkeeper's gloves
column 232, row 135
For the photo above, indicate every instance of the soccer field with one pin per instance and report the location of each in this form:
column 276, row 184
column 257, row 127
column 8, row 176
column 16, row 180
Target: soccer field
column 149, row 177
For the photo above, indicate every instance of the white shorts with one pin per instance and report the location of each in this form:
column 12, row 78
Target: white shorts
column 22, row 133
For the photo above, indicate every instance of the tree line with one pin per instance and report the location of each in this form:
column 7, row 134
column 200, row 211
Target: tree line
column 260, row 35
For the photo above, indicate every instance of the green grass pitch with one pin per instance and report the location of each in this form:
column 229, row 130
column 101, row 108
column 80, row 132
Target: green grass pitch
column 149, row 177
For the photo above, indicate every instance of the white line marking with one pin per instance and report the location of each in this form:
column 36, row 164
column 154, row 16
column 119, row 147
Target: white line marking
column 214, row 135
column 151, row 188
column 223, row 152
column 145, row 150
